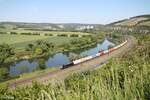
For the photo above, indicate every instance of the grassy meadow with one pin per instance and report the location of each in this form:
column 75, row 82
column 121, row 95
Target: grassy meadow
column 13, row 39
column 34, row 45
column 48, row 32
column 22, row 41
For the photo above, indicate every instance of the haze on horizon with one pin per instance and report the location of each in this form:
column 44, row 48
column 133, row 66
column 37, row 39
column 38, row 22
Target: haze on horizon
column 71, row 11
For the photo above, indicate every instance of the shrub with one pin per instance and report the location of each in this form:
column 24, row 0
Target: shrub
column 74, row 35
column 3, row 73
column 48, row 34
column 14, row 33
column 86, row 35
column 36, row 34
column 63, row 35
column 26, row 34
column 3, row 33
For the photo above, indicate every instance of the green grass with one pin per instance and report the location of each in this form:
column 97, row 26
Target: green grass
column 12, row 39
column 55, row 40
column 147, row 23
column 21, row 41
column 43, row 32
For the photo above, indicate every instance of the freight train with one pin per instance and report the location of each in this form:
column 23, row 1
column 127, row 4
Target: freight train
column 99, row 54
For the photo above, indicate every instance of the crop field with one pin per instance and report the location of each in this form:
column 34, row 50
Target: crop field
column 12, row 39
column 42, row 32
column 21, row 41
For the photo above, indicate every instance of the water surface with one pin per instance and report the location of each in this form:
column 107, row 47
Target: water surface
column 57, row 60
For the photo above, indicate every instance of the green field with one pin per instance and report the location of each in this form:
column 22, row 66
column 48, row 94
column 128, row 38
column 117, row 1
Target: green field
column 20, row 30
column 12, row 39
column 21, row 41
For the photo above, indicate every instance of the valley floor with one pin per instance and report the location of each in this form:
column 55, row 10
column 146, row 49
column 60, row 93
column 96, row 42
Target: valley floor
column 61, row 74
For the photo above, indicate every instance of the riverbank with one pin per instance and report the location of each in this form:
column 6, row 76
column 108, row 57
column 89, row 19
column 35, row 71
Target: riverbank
column 26, row 55
column 25, row 67
column 61, row 74
column 28, row 75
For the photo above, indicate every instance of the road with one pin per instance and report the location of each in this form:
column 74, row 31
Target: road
column 88, row 65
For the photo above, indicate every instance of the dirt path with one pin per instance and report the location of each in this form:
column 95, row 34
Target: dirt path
column 61, row 74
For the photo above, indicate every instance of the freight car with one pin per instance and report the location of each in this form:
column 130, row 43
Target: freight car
column 100, row 53
column 82, row 60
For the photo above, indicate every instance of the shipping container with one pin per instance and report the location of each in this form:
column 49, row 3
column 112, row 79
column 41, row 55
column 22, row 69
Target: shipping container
column 102, row 53
column 111, row 50
column 106, row 51
column 98, row 54
column 82, row 60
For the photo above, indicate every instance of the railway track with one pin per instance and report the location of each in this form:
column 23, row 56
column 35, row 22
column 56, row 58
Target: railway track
column 61, row 74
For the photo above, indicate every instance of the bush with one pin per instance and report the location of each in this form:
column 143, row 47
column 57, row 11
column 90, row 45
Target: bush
column 26, row 34
column 48, row 34
column 74, row 35
column 3, row 33
column 5, row 52
column 36, row 34
column 38, row 51
column 86, row 35
column 3, row 73
column 14, row 33
column 63, row 35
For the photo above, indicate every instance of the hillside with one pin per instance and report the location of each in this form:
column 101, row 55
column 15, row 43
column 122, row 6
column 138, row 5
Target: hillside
column 143, row 20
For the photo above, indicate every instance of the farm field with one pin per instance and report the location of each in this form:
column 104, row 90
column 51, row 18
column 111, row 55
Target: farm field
column 21, row 41
column 20, row 30
column 12, row 39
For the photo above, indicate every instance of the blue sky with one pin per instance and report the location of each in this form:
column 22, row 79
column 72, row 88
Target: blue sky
column 71, row 11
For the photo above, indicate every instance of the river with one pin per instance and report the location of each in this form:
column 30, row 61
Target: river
column 57, row 60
